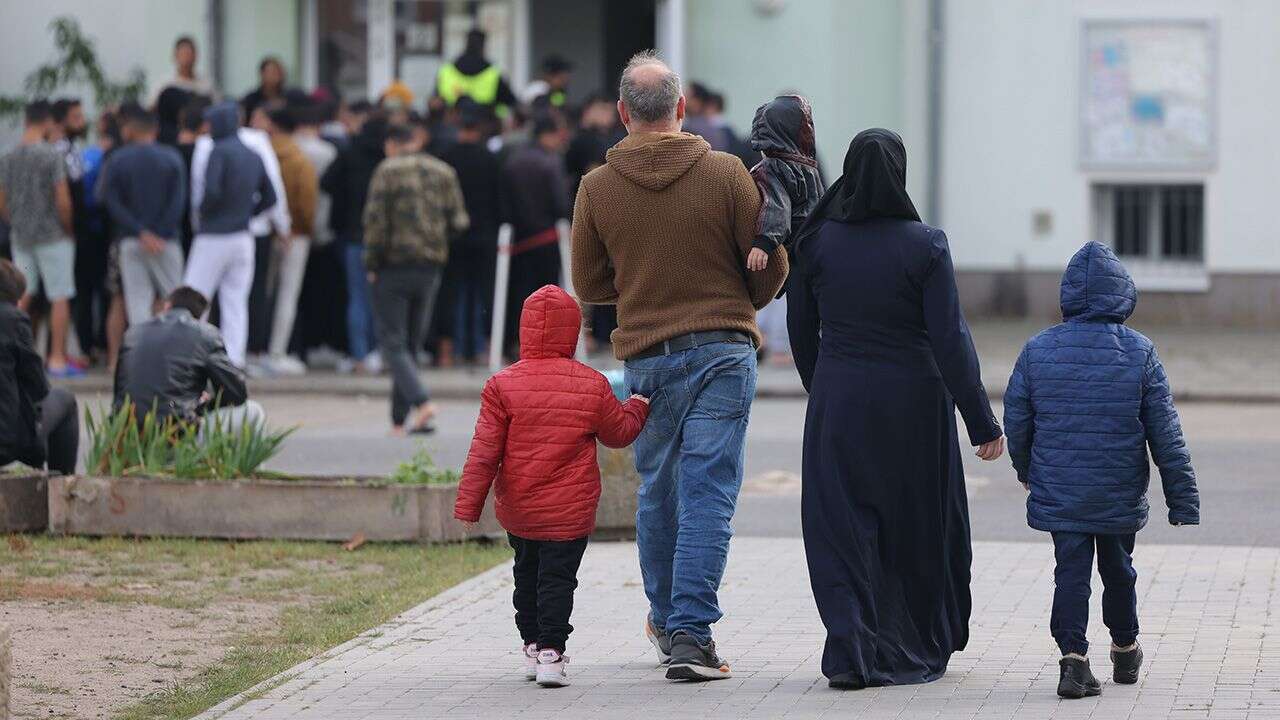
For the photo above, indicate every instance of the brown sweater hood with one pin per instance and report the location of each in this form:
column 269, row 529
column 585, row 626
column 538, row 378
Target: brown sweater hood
column 655, row 160
column 662, row 230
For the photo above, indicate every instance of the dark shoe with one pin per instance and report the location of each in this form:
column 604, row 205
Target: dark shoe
column 660, row 639
column 846, row 681
column 691, row 661
column 1125, row 665
column 1076, row 680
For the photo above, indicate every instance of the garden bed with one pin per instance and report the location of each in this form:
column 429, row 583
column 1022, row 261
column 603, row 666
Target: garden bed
column 301, row 509
column 24, row 501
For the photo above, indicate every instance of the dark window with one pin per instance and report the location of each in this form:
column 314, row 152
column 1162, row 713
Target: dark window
column 1152, row 222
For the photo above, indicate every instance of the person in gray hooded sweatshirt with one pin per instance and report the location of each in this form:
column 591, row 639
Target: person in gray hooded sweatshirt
column 233, row 188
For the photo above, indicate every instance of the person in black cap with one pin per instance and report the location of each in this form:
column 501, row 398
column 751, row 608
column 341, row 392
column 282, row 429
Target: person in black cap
column 551, row 90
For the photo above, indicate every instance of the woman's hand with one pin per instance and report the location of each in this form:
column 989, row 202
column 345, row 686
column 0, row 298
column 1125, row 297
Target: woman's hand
column 991, row 450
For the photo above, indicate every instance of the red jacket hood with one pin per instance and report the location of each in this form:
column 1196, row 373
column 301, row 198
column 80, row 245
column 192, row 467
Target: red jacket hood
column 549, row 325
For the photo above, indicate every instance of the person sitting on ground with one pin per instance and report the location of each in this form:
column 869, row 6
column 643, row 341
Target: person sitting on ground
column 177, row 365
column 535, row 442
column 1086, row 400
column 39, row 425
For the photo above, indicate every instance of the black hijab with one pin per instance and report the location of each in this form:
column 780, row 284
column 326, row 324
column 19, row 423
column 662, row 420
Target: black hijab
column 874, row 184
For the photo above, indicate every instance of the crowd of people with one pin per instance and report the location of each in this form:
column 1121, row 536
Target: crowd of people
column 104, row 229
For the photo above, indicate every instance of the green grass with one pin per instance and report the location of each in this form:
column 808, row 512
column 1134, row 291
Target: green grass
column 43, row 689
column 327, row 595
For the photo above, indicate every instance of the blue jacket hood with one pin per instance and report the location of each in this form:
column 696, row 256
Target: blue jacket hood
column 1096, row 286
column 224, row 119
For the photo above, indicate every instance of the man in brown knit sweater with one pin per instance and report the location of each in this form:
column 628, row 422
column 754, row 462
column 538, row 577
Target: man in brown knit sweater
column 663, row 230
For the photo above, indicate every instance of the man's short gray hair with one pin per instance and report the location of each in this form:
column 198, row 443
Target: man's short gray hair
column 652, row 98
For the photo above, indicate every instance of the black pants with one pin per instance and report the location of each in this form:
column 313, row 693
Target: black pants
column 546, row 574
column 261, row 307
column 323, row 303
column 1070, row 620
column 57, row 435
column 403, row 297
column 89, row 308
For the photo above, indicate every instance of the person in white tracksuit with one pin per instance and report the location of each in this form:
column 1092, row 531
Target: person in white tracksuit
column 230, row 185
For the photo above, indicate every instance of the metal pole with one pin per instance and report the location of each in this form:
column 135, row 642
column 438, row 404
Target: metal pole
column 933, row 107
column 214, row 17
column 566, row 279
column 501, row 276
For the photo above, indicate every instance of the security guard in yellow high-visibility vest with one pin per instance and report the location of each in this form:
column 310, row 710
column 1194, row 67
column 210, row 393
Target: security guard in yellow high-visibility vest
column 471, row 75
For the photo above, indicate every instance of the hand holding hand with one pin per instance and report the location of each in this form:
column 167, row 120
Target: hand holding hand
column 641, row 398
column 991, row 450
column 757, row 260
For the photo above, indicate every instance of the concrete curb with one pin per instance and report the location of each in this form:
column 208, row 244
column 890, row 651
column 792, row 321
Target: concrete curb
column 496, row 574
column 452, row 388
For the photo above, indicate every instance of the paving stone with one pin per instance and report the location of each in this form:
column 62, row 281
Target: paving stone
column 1206, row 615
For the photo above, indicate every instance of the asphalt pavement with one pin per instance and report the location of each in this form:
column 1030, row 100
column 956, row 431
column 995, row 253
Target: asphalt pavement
column 1235, row 449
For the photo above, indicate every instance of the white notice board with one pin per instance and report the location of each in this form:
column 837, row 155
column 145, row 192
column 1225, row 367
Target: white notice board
column 1148, row 94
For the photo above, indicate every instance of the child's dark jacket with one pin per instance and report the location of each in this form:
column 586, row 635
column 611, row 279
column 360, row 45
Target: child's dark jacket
column 788, row 178
column 1086, row 399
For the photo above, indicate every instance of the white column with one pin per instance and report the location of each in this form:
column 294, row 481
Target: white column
column 520, row 45
column 382, row 52
column 669, row 32
column 309, row 44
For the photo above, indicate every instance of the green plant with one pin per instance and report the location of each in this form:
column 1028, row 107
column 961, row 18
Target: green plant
column 76, row 62
column 421, row 470
column 120, row 444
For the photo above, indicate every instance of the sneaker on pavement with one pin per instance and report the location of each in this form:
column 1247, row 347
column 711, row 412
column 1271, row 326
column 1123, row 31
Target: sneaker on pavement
column 531, row 661
column 286, row 365
column 1125, row 664
column 691, row 660
column 550, row 672
column 660, row 639
column 65, row 371
column 1075, row 679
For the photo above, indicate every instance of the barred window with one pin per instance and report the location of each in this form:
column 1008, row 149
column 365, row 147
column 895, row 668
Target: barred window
column 1163, row 223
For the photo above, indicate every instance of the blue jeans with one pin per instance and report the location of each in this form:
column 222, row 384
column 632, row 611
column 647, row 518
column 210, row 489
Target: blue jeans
column 360, row 329
column 1071, row 578
column 690, row 458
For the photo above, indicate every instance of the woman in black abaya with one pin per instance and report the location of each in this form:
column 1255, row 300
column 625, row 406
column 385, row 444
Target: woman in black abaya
column 882, row 347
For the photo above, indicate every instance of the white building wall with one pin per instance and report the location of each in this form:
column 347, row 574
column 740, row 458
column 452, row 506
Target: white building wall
column 1012, row 123
column 846, row 56
column 126, row 33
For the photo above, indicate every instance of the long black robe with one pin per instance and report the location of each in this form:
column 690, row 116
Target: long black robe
column 882, row 347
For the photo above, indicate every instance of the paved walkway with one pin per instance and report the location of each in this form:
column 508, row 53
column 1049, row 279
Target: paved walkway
column 1208, row 621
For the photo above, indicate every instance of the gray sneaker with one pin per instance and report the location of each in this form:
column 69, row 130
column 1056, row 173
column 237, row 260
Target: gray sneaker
column 660, row 639
column 693, row 661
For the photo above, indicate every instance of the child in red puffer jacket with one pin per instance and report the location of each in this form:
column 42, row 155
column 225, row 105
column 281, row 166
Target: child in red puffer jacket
column 535, row 442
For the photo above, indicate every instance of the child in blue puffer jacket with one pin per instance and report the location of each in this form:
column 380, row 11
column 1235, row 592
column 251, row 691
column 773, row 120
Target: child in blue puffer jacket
column 1086, row 400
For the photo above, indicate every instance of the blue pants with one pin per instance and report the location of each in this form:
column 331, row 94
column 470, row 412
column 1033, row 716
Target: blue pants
column 690, row 458
column 360, row 329
column 1072, row 576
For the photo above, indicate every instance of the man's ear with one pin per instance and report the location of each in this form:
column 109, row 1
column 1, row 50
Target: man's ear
column 680, row 109
column 623, row 114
